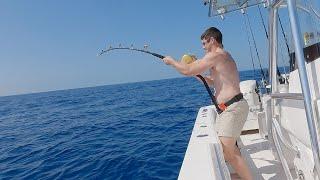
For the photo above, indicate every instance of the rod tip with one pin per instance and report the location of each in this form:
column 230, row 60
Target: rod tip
column 99, row 54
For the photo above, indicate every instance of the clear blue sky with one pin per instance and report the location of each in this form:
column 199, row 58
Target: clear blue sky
column 52, row 45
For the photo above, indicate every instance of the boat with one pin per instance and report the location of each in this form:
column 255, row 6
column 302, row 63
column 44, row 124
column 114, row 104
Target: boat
column 280, row 139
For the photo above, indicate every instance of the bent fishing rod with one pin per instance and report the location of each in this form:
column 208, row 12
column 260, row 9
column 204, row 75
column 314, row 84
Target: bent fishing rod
column 131, row 49
column 187, row 60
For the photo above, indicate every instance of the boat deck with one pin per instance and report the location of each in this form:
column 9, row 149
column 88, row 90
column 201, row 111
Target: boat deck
column 204, row 155
column 260, row 158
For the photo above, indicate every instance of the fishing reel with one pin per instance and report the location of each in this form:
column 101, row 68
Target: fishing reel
column 188, row 59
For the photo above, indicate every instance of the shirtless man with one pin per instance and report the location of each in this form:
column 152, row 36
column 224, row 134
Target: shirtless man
column 224, row 77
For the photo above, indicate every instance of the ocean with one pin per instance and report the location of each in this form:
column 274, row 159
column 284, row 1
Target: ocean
column 125, row 131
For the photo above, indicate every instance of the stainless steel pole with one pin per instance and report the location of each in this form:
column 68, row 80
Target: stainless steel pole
column 274, row 50
column 304, row 81
column 272, row 63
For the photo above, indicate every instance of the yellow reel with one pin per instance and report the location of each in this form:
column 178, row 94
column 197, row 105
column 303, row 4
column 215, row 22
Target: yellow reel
column 188, row 58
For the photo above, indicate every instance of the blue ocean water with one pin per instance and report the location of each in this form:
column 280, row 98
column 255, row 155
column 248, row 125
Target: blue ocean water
column 126, row 131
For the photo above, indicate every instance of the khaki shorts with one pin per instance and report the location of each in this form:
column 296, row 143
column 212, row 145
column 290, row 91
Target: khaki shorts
column 231, row 121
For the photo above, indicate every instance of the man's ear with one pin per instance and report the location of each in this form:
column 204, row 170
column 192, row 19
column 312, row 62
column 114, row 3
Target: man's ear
column 213, row 40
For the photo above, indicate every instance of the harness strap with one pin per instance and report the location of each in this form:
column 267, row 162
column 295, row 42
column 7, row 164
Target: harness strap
column 236, row 98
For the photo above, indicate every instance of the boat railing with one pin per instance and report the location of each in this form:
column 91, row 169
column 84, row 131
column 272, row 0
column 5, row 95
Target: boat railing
column 278, row 130
column 293, row 96
column 277, row 135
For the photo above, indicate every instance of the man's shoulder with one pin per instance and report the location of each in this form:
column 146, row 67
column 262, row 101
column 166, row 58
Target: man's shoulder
column 222, row 56
column 217, row 55
column 218, row 58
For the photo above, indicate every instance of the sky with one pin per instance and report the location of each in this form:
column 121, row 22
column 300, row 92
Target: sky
column 53, row 45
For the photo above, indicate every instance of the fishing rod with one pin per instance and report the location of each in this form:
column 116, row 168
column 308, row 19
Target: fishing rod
column 131, row 49
column 186, row 58
column 213, row 98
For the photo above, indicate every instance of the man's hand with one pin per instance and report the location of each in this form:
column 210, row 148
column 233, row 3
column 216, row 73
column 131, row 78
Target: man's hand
column 180, row 67
column 168, row 60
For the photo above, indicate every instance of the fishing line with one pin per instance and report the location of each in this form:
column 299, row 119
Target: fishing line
column 255, row 46
column 213, row 98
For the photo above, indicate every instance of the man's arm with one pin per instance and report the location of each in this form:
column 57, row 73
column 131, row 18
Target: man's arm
column 191, row 69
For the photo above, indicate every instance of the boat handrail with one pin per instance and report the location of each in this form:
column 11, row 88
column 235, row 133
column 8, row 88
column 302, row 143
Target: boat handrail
column 277, row 127
column 301, row 7
column 294, row 96
column 275, row 135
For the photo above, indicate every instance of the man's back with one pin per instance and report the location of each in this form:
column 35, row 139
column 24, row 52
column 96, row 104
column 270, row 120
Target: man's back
column 225, row 78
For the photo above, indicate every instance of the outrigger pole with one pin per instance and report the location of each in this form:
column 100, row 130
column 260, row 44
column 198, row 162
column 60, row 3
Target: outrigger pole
column 213, row 98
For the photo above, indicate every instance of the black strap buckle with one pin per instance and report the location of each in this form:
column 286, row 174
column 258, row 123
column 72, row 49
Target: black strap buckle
column 223, row 106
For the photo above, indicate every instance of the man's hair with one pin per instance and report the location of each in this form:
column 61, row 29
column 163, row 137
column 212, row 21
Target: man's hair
column 212, row 32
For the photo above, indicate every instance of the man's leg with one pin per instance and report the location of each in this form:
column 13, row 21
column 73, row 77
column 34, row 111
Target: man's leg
column 232, row 155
